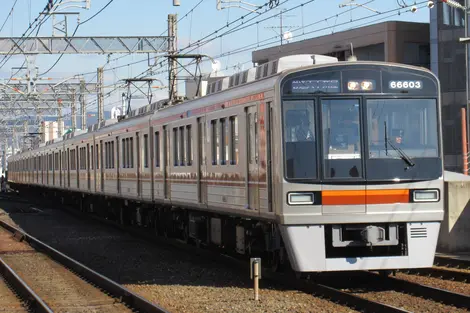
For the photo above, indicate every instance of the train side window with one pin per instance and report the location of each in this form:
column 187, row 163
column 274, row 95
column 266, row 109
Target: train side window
column 157, row 149
column 108, row 155
column 233, row 140
column 105, row 155
column 97, row 157
column 214, row 143
column 87, row 154
column 256, row 137
column 146, row 151
column 250, row 138
column 189, row 146
column 92, row 157
column 181, row 149
column 105, row 163
column 123, row 153
column 112, row 154
column 175, row 146
column 132, row 151
column 223, row 142
column 126, row 153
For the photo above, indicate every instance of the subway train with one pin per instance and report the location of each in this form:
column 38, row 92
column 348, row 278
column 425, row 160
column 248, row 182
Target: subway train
column 311, row 163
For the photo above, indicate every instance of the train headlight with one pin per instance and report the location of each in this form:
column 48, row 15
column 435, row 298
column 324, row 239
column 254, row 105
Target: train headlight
column 353, row 85
column 428, row 195
column 300, row 198
column 367, row 85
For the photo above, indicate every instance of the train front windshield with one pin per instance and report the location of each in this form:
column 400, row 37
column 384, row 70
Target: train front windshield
column 336, row 129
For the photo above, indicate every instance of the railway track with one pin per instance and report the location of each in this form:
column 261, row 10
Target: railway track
column 441, row 273
column 373, row 281
column 355, row 300
column 452, row 262
column 15, row 295
column 308, row 286
column 50, row 281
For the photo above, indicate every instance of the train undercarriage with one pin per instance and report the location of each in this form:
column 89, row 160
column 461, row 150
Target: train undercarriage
column 236, row 236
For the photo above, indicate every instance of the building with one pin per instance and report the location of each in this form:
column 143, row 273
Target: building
column 50, row 130
column 448, row 63
column 91, row 118
column 401, row 42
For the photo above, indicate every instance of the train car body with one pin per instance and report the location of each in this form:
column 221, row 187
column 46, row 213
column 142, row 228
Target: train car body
column 337, row 165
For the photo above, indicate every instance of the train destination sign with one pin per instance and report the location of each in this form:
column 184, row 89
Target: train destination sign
column 315, row 85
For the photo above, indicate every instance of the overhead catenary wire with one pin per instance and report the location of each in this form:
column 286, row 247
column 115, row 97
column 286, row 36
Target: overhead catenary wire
column 73, row 34
column 8, row 16
column 23, row 38
column 243, row 49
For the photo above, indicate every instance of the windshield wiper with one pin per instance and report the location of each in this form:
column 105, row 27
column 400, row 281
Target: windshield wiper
column 402, row 154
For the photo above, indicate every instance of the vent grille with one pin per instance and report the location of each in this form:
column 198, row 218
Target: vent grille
column 245, row 77
column 418, row 232
column 274, row 68
column 258, row 72
column 237, row 79
column 265, row 70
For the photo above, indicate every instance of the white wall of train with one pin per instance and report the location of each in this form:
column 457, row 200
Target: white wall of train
column 200, row 171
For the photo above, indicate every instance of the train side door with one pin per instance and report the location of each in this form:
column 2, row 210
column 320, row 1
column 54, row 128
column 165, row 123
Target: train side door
column 118, row 166
column 152, row 156
column 166, row 162
column 139, row 164
column 68, row 167
column 101, row 166
column 269, row 155
column 251, row 179
column 88, row 178
column 201, row 160
column 77, row 166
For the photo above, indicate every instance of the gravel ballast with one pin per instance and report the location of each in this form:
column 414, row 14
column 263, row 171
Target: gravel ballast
column 9, row 302
column 59, row 288
column 172, row 279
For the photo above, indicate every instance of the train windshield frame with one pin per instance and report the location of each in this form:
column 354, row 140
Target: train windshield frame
column 358, row 123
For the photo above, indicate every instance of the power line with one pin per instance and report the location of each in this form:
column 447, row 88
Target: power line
column 8, row 16
column 74, row 32
column 13, row 48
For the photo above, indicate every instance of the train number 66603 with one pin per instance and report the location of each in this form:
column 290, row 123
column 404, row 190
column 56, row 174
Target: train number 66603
column 414, row 84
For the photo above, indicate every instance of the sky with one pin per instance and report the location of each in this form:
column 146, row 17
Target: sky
column 149, row 18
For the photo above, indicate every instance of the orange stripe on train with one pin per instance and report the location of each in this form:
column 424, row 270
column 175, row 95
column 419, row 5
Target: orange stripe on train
column 359, row 197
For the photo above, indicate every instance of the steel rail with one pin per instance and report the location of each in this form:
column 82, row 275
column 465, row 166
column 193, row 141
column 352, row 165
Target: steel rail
column 440, row 273
column 451, row 262
column 331, row 293
column 125, row 295
column 25, row 292
column 435, row 294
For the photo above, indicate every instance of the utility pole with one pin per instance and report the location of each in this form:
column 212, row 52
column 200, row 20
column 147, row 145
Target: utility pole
column 4, row 156
column 100, row 95
column 13, row 144
column 82, row 103
column 25, row 133
column 282, row 26
column 59, row 118
column 74, row 112
column 172, row 64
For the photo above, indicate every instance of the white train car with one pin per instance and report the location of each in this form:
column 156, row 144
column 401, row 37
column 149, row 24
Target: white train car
column 324, row 165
